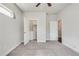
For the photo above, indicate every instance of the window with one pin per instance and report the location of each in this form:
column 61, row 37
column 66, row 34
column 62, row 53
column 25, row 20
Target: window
column 4, row 10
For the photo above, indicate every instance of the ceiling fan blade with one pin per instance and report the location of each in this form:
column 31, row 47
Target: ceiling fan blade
column 49, row 4
column 38, row 4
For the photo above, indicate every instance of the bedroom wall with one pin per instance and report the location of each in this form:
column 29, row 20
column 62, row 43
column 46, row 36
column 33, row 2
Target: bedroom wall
column 70, row 28
column 11, row 30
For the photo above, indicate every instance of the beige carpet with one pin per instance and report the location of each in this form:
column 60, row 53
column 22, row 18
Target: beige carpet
column 50, row 48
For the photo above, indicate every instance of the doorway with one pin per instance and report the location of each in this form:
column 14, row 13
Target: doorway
column 60, row 31
column 33, row 29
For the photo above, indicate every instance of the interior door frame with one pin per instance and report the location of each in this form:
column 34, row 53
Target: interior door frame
column 60, row 30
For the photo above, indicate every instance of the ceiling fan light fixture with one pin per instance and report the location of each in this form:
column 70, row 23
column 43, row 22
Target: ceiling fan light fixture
column 49, row 4
column 38, row 4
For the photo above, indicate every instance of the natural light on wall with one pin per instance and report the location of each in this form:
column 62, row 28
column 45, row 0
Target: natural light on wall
column 4, row 10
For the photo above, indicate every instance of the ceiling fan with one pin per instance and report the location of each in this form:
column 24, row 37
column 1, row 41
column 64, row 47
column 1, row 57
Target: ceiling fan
column 49, row 4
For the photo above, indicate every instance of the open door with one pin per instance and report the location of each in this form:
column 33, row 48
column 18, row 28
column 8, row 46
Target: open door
column 60, row 31
column 26, row 31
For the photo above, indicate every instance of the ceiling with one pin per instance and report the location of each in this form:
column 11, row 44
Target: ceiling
column 31, row 7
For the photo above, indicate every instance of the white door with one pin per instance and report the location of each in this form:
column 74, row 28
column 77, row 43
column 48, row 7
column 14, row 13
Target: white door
column 26, row 31
column 53, row 30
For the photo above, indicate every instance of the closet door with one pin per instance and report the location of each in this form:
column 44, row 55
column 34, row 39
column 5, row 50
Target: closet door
column 53, row 30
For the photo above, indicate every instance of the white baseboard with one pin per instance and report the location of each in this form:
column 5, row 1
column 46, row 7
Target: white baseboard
column 6, row 53
column 41, row 41
column 26, row 42
column 47, row 39
column 70, row 46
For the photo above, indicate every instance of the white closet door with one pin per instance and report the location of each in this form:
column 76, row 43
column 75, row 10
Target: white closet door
column 53, row 30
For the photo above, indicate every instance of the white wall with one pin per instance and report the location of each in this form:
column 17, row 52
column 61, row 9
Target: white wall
column 41, row 28
column 70, row 26
column 51, row 22
column 11, row 30
column 41, row 24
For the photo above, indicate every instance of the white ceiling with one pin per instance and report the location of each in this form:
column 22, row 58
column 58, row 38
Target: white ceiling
column 31, row 7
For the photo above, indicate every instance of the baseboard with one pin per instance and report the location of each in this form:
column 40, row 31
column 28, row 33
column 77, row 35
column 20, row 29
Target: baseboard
column 56, row 38
column 26, row 42
column 70, row 46
column 6, row 53
column 47, row 39
column 41, row 41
